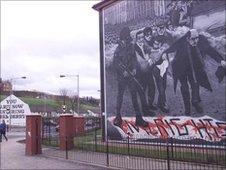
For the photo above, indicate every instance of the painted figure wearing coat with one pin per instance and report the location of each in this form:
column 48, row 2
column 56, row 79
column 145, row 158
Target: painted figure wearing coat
column 188, row 67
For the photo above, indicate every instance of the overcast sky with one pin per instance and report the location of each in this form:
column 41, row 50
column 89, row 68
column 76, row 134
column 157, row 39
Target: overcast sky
column 41, row 40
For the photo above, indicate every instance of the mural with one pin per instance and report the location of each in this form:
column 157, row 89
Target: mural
column 165, row 69
column 14, row 111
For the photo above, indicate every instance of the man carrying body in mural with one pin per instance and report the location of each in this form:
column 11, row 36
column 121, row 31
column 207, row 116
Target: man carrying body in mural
column 160, row 42
column 188, row 67
column 125, row 64
column 144, row 73
column 148, row 80
column 160, row 72
column 163, row 35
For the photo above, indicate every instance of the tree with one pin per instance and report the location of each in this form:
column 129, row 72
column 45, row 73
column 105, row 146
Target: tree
column 64, row 95
column 63, row 98
column 74, row 102
column 69, row 98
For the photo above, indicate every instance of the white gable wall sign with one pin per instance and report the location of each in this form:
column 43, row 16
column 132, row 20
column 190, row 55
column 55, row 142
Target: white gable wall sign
column 15, row 108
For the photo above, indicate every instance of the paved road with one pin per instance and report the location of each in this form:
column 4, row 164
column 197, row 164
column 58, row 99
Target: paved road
column 13, row 157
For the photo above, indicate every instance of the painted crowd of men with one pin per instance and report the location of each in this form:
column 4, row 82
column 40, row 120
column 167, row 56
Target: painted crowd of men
column 142, row 67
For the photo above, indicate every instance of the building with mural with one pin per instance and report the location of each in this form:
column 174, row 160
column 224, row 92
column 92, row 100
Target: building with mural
column 156, row 81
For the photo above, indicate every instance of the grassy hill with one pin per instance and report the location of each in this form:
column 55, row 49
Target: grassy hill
column 47, row 105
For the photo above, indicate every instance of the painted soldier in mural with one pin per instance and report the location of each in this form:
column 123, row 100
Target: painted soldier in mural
column 188, row 67
column 125, row 64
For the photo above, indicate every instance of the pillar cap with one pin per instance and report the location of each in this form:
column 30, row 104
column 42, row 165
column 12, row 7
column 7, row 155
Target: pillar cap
column 67, row 114
column 79, row 116
column 34, row 115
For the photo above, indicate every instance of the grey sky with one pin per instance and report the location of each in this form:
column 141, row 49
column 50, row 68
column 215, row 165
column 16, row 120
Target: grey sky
column 41, row 40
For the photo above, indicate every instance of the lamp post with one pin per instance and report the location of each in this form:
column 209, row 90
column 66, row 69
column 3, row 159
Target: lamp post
column 11, row 93
column 77, row 76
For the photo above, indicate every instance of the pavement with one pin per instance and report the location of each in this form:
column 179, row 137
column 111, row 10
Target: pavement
column 13, row 157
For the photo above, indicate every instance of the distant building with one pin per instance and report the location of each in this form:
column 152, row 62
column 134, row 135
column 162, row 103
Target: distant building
column 5, row 86
column 1, row 85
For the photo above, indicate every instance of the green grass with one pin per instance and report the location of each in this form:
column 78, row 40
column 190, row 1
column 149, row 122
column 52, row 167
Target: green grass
column 34, row 102
column 88, row 137
column 2, row 97
column 56, row 105
column 50, row 142
column 88, row 107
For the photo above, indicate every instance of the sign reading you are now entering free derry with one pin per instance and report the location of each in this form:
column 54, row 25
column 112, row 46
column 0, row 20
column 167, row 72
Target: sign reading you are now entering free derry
column 15, row 108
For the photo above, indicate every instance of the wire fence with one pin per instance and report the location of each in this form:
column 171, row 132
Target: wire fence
column 129, row 154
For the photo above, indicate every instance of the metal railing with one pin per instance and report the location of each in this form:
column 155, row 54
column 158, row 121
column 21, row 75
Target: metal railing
column 130, row 154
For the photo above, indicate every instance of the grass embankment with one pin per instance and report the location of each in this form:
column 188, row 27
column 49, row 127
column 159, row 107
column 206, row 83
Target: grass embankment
column 56, row 105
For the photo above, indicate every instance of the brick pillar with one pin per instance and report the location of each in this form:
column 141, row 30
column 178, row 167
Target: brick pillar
column 66, row 131
column 79, row 125
column 33, row 134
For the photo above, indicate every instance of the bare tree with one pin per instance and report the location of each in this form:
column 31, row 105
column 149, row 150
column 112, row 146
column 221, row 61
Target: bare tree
column 70, row 98
column 64, row 95
column 63, row 98
column 73, row 102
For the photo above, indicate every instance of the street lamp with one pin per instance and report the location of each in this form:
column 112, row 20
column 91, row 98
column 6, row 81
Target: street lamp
column 77, row 76
column 11, row 93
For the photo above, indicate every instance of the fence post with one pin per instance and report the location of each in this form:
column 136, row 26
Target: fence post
column 49, row 138
column 66, row 148
column 128, row 148
column 95, row 138
column 107, row 152
column 167, row 152
column 171, row 142
column 103, row 128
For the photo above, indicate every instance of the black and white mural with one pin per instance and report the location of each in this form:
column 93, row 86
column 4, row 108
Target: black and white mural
column 165, row 69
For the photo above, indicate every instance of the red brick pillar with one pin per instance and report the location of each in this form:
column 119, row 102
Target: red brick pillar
column 33, row 134
column 66, row 132
column 79, row 125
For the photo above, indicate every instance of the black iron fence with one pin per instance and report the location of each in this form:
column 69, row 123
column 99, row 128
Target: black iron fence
column 129, row 154
column 50, row 130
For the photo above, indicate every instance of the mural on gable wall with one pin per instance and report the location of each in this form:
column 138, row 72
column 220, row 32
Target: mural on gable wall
column 13, row 110
column 165, row 69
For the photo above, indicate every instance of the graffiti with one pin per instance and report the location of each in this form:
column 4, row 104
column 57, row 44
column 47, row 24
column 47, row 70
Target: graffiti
column 184, row 128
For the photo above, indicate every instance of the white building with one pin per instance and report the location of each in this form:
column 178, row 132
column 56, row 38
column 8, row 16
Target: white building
column 14, row 111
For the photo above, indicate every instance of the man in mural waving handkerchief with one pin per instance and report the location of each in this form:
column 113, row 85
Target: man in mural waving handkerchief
column 188, row 67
